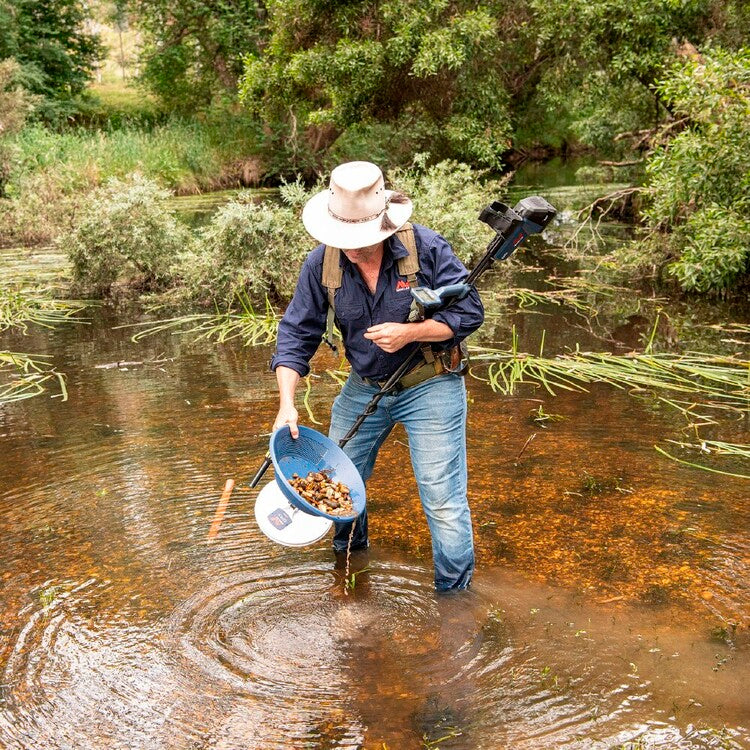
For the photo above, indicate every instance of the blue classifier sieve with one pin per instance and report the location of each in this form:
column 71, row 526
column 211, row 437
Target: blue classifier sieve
column 312, row 451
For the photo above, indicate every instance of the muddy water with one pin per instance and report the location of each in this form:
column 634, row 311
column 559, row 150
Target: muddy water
column 609, row 608
column 610, row 605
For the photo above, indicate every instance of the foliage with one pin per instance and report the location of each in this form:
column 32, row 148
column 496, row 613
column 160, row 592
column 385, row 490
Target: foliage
column 18, row 310
column 596, row 63
column 327, row 67
column 22, row 375
column 249, row 248
column 192, row 51
column 699, row 182
column 15, row 105
column 57, row 54
column 448, row 197
column 52, row 171
column 715, row 243
column 125, row 233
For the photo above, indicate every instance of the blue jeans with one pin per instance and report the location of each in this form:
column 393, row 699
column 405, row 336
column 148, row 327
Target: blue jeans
column 434, row 415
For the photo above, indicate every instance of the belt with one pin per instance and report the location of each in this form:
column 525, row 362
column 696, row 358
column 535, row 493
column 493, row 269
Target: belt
column 421, row 372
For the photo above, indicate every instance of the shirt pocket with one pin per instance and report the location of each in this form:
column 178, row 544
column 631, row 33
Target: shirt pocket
column 349, row 311
column 398, row 305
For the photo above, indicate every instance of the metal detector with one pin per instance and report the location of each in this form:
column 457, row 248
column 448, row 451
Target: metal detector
column 512, row 226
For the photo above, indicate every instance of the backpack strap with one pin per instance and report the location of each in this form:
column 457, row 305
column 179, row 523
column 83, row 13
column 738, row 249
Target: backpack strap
column 409, row 267
column 331, row 279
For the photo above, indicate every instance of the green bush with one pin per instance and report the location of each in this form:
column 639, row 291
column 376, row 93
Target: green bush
column 249, row 248
column 448, row 197
column 716, row 249
column 698, row 183
column 125, row 234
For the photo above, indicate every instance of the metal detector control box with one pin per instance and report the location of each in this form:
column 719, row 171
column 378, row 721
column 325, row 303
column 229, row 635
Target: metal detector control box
column 431, row 299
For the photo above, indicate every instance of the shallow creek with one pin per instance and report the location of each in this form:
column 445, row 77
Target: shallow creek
column 609, row 607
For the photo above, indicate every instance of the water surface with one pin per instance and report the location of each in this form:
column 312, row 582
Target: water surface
column 609, row 608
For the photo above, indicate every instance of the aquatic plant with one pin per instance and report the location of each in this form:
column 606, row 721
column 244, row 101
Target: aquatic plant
column 23, row 376
column 542, row 418
column 351, row 581
column 724, row 378
column 247, row 325
column 17, row 310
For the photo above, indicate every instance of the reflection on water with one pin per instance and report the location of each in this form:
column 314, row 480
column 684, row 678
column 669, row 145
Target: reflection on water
column 609, row 607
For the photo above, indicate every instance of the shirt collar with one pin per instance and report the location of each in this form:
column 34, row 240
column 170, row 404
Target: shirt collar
column 398, row 249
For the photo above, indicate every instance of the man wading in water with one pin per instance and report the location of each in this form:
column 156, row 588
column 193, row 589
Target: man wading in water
column 361, row 274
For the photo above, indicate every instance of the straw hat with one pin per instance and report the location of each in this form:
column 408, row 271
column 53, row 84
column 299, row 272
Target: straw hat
column 356, row 210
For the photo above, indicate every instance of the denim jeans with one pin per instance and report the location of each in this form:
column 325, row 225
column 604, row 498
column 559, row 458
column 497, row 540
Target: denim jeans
column 434, row 415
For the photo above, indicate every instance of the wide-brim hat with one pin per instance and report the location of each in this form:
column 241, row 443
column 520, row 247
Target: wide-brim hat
column 356, row 210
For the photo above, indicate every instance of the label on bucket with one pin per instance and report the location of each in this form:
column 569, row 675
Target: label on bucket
column 279, row 518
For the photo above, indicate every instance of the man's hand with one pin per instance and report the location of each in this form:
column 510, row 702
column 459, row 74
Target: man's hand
column 391, row 337
column 287, row 415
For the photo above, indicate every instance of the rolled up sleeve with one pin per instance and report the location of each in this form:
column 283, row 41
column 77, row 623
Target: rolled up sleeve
column 303, row 324
column 464, row 316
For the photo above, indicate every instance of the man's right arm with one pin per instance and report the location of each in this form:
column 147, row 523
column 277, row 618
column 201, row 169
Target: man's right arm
column 299, row 335
column 287, row 380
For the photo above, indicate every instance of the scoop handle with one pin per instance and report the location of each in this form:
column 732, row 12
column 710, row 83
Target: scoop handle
column 263, row 467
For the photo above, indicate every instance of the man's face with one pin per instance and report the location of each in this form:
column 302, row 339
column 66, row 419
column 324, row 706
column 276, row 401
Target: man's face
column 363, row 254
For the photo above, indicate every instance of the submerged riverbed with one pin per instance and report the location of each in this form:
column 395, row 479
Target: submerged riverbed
column 609, row 608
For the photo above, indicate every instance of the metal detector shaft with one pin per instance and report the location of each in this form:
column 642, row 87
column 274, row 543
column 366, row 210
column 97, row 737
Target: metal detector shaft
column 369, row 409
column 263, row 468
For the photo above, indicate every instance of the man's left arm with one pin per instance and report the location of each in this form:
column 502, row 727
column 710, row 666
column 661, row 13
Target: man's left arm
column 450, row 325
column 464, row 316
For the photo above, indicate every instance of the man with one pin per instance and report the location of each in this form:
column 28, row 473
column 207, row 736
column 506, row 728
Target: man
column 366, row 283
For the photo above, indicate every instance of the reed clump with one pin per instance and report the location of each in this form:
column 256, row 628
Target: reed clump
column 24, row 375
column 725, row 379
column 19, row 310
column 245, row 324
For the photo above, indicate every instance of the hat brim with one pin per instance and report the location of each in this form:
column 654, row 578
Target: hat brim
column 330, row 231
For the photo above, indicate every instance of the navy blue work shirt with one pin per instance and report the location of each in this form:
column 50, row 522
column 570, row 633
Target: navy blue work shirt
column 304, row 322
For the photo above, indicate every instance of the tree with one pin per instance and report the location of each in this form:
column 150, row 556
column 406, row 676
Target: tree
column 698, row 183
column 56, row 52
column 15, row 105
column 429, row 67
column 193, row 48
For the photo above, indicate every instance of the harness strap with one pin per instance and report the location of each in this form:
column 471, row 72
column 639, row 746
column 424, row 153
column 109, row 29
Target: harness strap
column 409, row 266
column 331, row 279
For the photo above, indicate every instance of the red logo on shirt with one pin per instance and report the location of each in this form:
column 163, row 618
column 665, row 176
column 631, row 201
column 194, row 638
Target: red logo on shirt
column 401, row 285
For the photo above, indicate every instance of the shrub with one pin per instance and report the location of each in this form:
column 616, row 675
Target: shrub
column 257, row 248
column 448, row 198
column 249, row 247
column 125, row 234
column 698, row 185
column 15, row 105
column 716, row 249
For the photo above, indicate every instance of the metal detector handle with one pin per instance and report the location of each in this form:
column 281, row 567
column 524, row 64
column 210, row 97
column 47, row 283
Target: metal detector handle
column 263, row 468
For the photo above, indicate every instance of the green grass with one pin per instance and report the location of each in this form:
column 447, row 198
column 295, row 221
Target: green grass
column 186, row 156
